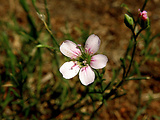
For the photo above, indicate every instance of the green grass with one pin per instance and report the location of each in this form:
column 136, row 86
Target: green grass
column 31, row 86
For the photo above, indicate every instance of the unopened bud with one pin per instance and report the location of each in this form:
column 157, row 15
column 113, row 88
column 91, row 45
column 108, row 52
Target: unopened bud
column 41, row 16
column 143, row 19
column 128, row 21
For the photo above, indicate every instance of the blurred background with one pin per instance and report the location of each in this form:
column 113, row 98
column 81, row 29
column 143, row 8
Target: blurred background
column 69, row 19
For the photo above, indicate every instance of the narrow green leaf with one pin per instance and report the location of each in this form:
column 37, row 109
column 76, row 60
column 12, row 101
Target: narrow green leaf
column 15, row 93
column 138, row 78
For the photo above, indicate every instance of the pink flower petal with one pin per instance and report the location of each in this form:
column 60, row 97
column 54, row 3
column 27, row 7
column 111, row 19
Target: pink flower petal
column 92, row 44
column 98, row 61
column 86, row 75
column 69, row 49
column 69, row 69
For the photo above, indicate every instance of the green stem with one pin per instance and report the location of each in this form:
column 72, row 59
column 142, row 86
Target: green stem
column 139, row 95
column 50, row 32
column 134, row 49
column 144, row 5
column 93, row 114
column 130, row 64
column 125, row 73
column 47, row 11
column 40, row 72
column 133, row 53
column 138, row 78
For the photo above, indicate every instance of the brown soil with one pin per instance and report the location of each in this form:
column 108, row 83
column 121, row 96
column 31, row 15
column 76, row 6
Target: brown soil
column 105, row 19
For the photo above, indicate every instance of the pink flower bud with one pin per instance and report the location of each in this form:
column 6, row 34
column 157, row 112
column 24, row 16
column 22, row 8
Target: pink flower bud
column 143, row 19
column 143, row 15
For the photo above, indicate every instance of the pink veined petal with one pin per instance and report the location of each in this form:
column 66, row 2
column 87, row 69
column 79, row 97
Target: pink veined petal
column 92, row 44
column 86, row 75
column 69, row 49
column 69, row 69
column 98, row 61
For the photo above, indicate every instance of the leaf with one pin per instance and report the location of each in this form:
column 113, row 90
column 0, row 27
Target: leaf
column 138, row 78
column 15, row 93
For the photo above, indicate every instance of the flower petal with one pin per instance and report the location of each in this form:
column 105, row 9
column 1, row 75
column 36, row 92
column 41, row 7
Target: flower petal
column 98, row 61
column 86, row 75
column 69, row 49
column 92, row 44
column 69, row 69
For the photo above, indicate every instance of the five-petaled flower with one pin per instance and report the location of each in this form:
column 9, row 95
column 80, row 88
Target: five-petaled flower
column 83, row 60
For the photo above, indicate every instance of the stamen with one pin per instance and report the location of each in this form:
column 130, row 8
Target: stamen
column 84, row 62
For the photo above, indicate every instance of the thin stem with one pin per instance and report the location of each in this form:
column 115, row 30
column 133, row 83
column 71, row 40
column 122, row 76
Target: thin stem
column 130, row 64
column 34, row 5
column 125, row 71
column 139, row 95
column 73, row 105
column 47, row 11
column 144, row 5
column 93, row 114
column 49, row 31
column 54, row 42
column 138, row 78
column 134, row 49
column 43, row 17
column 40, row 72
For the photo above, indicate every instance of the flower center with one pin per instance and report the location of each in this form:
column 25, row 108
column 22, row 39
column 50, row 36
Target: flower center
column 84, row 60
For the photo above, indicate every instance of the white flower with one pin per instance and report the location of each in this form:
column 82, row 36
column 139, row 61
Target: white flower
column 83, row 60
